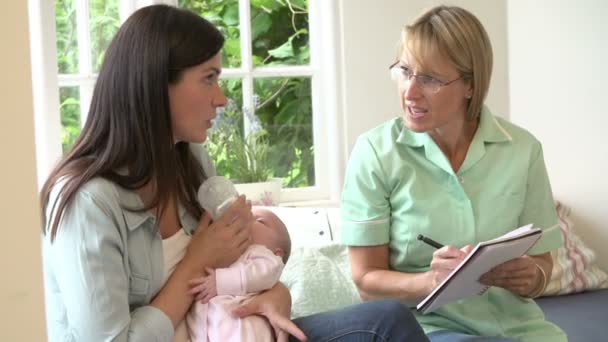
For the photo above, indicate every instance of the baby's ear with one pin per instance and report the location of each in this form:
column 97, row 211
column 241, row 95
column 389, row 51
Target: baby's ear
column 279, row 252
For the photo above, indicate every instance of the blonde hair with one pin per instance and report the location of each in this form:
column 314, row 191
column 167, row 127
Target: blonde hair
column 458, row 35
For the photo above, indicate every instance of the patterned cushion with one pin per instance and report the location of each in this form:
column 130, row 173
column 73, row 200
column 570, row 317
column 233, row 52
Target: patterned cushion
column 574, row 268
column 319, row 279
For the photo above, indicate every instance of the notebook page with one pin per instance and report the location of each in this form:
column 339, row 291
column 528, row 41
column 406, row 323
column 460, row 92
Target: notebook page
column 515, row 233
column 463, row 280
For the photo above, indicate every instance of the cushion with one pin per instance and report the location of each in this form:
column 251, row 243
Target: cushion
column 574, row 268
column 319, row 279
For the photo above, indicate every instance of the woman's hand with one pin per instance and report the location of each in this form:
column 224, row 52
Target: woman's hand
column 219, row 244
column 444, row 261
column 519, row 275
column 274, row 305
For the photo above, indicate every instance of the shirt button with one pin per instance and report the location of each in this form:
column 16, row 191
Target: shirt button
column 461, row 179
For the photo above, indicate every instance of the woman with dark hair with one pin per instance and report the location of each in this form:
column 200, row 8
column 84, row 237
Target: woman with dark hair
column 124, row 232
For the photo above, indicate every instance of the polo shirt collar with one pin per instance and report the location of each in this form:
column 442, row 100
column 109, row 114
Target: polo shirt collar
column 411, row 138
column 489, row 131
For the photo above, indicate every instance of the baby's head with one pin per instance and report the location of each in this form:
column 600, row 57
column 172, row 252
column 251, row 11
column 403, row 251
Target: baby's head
column 270, row 231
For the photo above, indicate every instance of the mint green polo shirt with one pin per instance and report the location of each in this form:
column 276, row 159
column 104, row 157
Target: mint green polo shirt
column 400, row 184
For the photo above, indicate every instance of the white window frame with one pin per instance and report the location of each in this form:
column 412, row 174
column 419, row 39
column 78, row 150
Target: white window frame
column 328, row 137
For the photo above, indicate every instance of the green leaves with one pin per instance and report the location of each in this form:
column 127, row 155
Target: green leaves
column 260, row 24
column 283, row 51
column 287, row 49
column 104, row 22
column 250, row 158
column 67, row 46
column 70, row 116
column 232, row 47
column 267, row 5
column 286, row 112
column 231, row 16
column 242, row 157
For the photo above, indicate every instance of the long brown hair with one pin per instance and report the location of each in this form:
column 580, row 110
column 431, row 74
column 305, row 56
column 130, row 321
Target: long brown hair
column 129, row 122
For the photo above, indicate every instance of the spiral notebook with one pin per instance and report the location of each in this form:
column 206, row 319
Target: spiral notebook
column 463, row 281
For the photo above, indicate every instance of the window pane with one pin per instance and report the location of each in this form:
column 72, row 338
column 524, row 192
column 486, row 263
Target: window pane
column 67, row 38
column 69, row 97
column 279, row 32
column 225, row 16
column 104, row 23
column 227, row 124
column 284, row 107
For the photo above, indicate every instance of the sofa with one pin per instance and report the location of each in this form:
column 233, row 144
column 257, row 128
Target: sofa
column 318, row 274
column 583, row 316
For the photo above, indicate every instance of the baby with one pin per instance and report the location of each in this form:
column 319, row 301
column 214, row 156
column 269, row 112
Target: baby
column 221, row 290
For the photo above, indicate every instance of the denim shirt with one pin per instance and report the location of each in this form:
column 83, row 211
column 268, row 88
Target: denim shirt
column 106, row 265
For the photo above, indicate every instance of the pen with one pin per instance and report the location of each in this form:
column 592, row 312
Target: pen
column 429, row 241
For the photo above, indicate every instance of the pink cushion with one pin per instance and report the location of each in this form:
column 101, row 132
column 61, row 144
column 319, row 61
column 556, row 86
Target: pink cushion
column 574, row 268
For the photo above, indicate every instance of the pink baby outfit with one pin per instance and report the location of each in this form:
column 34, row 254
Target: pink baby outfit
column 256, row 270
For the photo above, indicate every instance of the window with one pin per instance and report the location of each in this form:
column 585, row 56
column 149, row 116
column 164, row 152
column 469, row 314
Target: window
column 83, row 30
column 274, row 70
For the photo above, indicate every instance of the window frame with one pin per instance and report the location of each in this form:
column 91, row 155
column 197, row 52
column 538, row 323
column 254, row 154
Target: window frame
column 328, row 137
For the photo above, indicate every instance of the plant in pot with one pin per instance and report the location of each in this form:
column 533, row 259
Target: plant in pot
column 243, row 156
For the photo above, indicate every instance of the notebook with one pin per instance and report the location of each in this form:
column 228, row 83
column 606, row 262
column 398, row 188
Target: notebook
column 463, row 281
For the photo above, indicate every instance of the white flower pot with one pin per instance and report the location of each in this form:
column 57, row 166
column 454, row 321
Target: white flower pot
column 262, row 193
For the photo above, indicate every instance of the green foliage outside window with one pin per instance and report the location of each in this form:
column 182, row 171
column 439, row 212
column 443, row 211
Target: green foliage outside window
column 283, row 105
column 67, row 40
column 104, row 22
column 279, row 30
column 69, row 98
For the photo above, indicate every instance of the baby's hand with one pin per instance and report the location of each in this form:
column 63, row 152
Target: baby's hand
column 204, row 287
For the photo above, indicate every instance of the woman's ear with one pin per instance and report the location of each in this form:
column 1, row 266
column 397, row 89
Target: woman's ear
column 469, row 93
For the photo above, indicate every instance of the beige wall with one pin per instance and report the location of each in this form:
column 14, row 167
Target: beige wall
column 21, row 297
column 558, row 75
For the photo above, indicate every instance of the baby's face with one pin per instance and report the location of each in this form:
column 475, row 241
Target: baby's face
column 262, row 234
column 266, row 231
column 267, row 218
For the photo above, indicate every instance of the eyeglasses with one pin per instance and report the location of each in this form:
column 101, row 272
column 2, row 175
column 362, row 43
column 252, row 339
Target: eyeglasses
column 426, row 83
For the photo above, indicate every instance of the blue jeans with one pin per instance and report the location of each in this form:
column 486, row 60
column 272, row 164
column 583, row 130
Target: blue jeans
column 452, row 336
column 378, row 321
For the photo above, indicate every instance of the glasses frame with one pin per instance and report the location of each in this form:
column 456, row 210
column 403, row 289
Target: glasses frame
column 440, row 83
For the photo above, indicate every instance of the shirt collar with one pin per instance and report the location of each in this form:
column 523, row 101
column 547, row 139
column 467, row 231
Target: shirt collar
column 129, row 202
column 490, row 130
column 411, row 138
column 134, row 219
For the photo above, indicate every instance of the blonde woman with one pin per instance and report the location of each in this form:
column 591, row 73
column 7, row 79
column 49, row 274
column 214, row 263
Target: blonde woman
column 449, row 169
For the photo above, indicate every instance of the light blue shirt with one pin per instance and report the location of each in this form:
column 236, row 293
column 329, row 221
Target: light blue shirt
column 106, row 265
column 400, row 184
